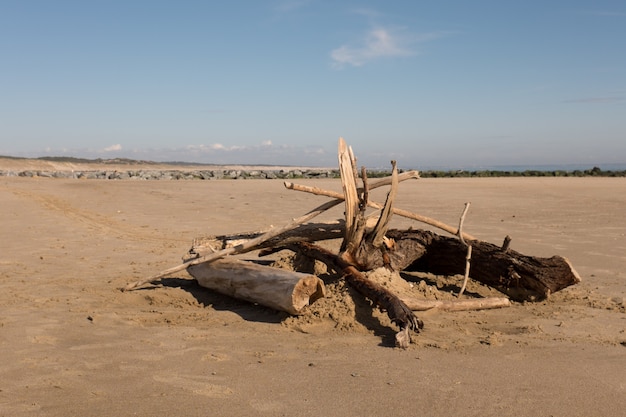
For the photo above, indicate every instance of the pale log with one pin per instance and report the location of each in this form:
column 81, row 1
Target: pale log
column 275, row 288
column 416, row 304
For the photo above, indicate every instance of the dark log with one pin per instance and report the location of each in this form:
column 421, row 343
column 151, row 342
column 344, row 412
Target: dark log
column 521, row 277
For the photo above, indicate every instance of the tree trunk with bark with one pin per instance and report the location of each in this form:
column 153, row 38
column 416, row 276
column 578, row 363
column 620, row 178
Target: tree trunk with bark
column 521, row 277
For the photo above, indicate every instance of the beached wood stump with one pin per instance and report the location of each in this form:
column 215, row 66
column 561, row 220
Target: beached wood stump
column 367, row 244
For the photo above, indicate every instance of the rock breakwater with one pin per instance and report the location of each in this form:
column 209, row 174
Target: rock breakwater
column 175, row 174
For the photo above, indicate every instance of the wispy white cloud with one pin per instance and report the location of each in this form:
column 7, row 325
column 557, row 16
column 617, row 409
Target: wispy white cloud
column 264, row 153
column 220, row 149
column 378, row 43
column 113, row 148
column 211, row 147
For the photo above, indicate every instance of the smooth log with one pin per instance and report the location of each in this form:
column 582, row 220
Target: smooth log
column 271, row 287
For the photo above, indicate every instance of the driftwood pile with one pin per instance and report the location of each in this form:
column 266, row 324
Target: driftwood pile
column 367, row 244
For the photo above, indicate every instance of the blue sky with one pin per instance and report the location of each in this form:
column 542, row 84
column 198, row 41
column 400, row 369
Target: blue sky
column 429, row 84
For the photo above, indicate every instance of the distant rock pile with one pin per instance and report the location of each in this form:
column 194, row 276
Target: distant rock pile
column 175, row 174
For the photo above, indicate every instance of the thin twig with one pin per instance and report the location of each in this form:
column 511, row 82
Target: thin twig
column 461, row 220
column 506, row 243
column 456, row 305
column 468, row 257
column 365, row 196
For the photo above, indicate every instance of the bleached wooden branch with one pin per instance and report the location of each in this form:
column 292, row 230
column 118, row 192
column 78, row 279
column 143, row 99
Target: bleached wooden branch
column 387, row 212
column 350, row 194
column 400, row 212
column 461, row 220
column 456, row 305
column 251, row 244
column 242, row 248
column 468, row 256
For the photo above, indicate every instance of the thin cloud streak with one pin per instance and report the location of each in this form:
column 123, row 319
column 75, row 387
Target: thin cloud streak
column 264, row 153
column 113, row 148
column 379, row 43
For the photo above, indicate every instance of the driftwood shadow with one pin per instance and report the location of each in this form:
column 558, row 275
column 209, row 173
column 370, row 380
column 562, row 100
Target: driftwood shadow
column 220, row 302
column 364, row 314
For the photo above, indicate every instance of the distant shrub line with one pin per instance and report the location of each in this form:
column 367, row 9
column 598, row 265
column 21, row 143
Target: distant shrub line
column 594, row 172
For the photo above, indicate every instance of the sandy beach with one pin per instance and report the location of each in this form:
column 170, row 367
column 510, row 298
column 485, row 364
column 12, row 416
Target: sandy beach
column 73, row 344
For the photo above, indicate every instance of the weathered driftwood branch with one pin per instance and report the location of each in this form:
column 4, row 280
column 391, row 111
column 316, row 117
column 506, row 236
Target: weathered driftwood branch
column 308, row 232
column 387, row 212
column 255, row 242
column 468, row 260
column 417, row 304
column 350, row 194
column 400, row 212
column 279, row 289
column 399, row 313
column 376, row 184
column 242, row 248
column 524, row 278
column 468, row 256
column 356, row 224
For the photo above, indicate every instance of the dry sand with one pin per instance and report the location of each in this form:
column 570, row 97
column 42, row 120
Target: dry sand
column 72, row 344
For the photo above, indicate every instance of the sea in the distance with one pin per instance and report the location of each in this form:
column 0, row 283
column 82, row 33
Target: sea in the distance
column 522, row 168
